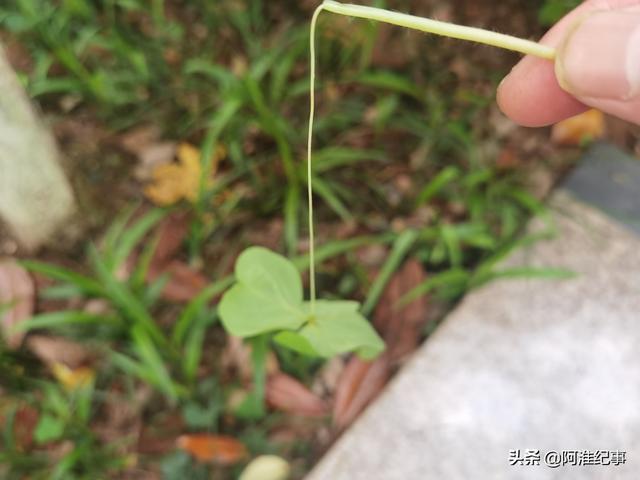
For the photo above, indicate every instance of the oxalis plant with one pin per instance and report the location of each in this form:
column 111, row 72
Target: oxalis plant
column 267, row 299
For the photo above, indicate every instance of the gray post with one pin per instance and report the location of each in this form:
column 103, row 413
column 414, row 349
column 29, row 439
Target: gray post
column 35, row 196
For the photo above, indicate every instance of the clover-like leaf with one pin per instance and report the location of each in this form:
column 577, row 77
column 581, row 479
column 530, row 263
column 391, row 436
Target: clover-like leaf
column 266, row 297
column 337, row 327
column 296, row 342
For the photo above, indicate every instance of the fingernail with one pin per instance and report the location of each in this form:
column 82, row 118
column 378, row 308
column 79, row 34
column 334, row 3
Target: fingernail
column 600, row 58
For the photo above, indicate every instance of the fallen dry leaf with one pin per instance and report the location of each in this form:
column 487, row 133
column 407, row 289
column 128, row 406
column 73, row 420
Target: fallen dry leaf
column 401, row 327
column 289, row 395
column 158, row 433
column 508, row 159
column 51, row 350
column 219, row 449
column 136, row 140
column 24, row 424
column 16, row 300
column 119, row 421
column 72, row 379
column 177, row 181
column 171, row 233
column 359, row 383
column 266, row 467
column 184, row 282
column 574, row 131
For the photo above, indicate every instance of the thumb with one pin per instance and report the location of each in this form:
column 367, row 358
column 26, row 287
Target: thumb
column 599, row 62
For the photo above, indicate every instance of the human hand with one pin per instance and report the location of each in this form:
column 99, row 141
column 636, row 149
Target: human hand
column 598, row 65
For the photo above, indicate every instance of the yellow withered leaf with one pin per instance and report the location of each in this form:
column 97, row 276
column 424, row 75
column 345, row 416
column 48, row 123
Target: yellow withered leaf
column 177, row 181
column 72, row 379
column 575, row 131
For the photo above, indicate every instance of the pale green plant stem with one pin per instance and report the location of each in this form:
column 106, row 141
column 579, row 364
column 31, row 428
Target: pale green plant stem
column 444, row 29
column 312, row 111
column 427, row 25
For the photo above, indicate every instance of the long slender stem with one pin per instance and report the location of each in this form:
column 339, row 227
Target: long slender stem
column 312, row 111
column 408, row 21
column 445, row 29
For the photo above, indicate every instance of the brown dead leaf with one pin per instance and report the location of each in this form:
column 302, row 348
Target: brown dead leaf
column 119, row 421
column 159, row 432
column 574, row 131
column 17, row 54
column 16, row 300
column 177, row 181
column 219, row 449
column 508, row 159
column 138, row 139
column 184, row 281
column 359, row 383
column 24, row 424
column 401, row 327
column 171, row 234
column 52, row 350
column 289, row 395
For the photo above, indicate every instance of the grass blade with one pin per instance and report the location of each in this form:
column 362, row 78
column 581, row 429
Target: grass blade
column 400, row 248
column 86, row 284
column 455, row 277
column 325, row 191
column 151, row 358
column 132, row 236
column 118, row 293
column 195, row 343
column 441, row 180
column 64, row 318
column 191, row 312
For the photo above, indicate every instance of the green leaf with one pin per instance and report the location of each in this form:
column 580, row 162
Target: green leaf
column 49, row 428
column 337, row 327
column 296, row 342
column 266, row 297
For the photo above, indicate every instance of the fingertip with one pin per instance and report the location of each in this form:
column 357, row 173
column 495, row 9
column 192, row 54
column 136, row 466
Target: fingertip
column 531, row 97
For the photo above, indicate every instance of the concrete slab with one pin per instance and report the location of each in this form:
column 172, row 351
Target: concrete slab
column 546, row 365
column 609, row 179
